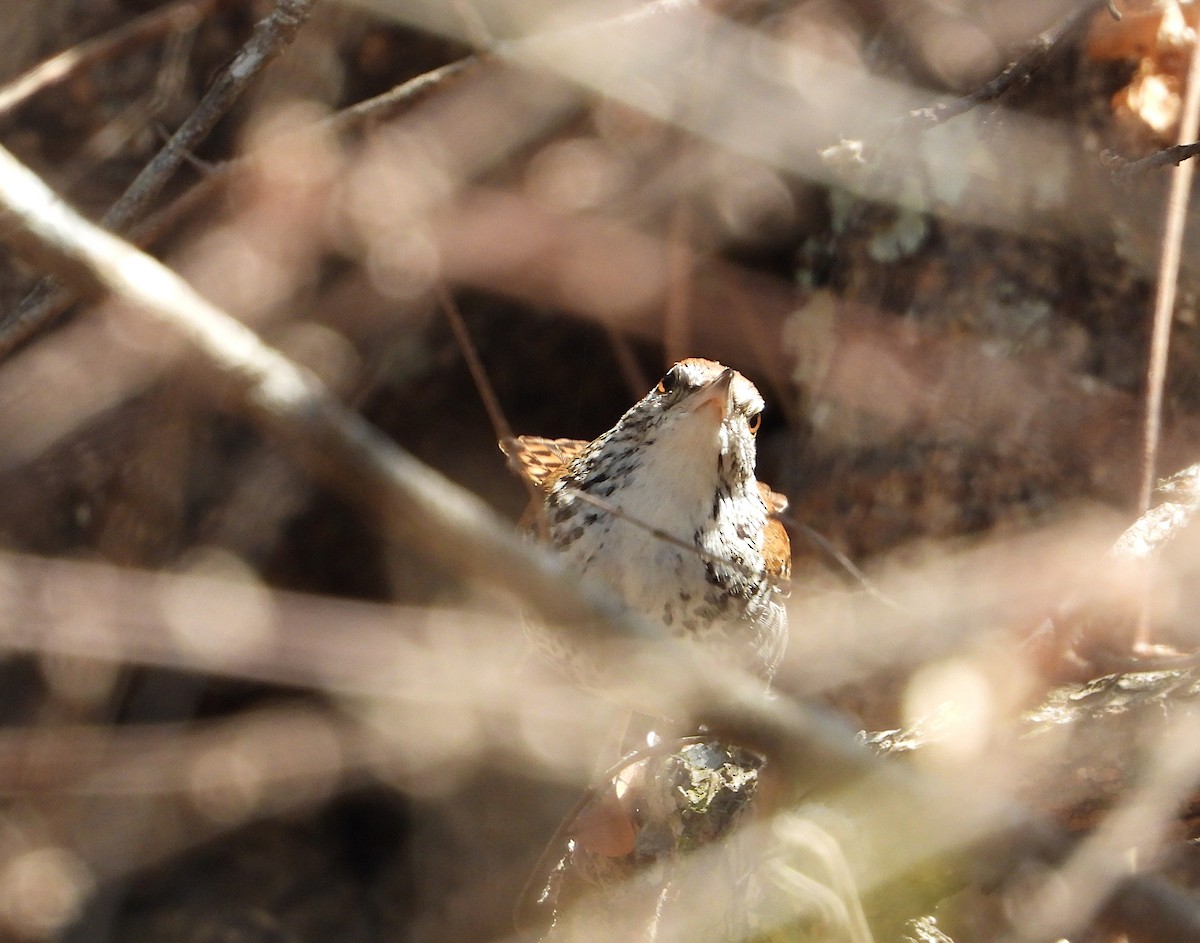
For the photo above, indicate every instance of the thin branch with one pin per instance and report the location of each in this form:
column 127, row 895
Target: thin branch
column 174, row 17
column 271, row 36
column 487, row 393
column 402, row 97
column 1167, row 157
column 1021, row 70
column 854, row 573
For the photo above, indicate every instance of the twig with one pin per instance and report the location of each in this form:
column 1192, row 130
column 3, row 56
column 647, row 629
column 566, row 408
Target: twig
column 483, row 385
column 1167, row 157
column 175, row 17
column 487, row 393
column 854, row 573
column 141, row 761
column 405, row 95
column 271, row 36
column 1032, row 59
column 382, row 106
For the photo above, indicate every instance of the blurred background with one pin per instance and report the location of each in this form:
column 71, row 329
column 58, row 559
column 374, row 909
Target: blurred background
column 233, row 710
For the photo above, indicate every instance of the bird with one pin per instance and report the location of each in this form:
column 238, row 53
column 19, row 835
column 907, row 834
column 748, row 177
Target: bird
column 664, row 509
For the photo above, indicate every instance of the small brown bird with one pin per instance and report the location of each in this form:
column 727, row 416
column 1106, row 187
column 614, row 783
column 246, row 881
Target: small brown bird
column 664, row 508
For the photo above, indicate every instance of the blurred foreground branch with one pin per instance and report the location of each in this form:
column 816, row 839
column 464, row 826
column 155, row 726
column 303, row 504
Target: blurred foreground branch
column 415, row 505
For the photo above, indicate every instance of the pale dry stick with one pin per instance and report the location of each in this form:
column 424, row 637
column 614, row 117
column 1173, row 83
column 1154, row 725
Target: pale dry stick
column 623, row 58
column 180, row 16
column 416, row 505
column 1164, row 308
column 271, row 36
column 114, row 615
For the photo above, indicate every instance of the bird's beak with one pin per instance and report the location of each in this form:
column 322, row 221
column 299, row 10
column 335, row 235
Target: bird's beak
column 715, row 394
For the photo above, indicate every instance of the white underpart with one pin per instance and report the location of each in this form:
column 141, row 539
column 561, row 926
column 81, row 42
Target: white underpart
column 709, row 589
column 670, row 493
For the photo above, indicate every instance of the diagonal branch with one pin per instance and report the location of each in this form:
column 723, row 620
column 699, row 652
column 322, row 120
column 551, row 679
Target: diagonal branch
column 1015, row 73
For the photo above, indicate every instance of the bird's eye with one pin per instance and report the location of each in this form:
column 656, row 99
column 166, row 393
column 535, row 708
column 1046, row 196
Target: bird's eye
column 755, row 421
column 668, row 383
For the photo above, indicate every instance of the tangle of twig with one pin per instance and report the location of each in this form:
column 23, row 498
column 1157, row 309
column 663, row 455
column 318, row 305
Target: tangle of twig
column 271, row 36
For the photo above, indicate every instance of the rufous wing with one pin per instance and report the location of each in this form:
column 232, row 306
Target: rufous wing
column 540, row 460
column 543, row 462
column 777, row 548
